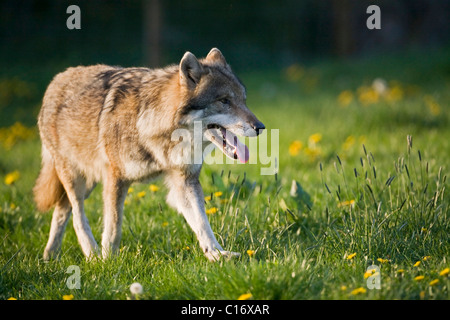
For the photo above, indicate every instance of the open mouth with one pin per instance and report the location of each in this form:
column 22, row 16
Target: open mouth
column 227, row 142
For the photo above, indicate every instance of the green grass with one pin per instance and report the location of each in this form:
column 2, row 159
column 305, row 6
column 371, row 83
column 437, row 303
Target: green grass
column 374, row 195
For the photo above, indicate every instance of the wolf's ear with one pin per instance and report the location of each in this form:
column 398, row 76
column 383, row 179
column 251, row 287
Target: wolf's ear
column 190, row 70
column 216, row 56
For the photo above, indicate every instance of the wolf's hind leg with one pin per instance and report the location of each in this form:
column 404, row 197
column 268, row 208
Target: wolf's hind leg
column 75, row 186
column 60, row 217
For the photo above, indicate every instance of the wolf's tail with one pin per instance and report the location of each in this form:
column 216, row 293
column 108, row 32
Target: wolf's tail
column 48, row 189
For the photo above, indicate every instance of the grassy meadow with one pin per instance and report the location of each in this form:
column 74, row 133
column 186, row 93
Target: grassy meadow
column 364, row 142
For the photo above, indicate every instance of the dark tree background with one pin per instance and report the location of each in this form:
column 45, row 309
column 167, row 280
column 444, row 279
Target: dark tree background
column 253, row 33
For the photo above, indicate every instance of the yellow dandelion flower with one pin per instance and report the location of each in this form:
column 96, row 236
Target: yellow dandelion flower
column 424, row 229
column 434, row 282
column 418, row 278
column 417, row 263
column 126, row 202
column 12, row 298
column 153, row 188
column 343, row 288
column 313, row 152
column 444, row 272
column 349, row 142
column 208, row 198
column 394, row 94
column 294, row 72
column 351, row 256
column 245, row 296
column 295, row 147
column 367, row 95
column 20, row 131
column 315, row 138
column 68, row 297
column 369, row 273
column 141, row 194
column 17, row 132
column 130, row 190
column 12, row 177
column 345, row 98
column 432, row 105
column 381, row 260
column 165, row 224
column 401, row 271
column 218, row 194
column 359, row 290
column 426, row 258
column 211, row 210
column 250, row 253
column 362, row 139
column 350, row 203
column 187, row 248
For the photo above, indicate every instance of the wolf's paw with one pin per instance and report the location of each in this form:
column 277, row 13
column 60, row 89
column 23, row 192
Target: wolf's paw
column 50, row 254
column 216, row 255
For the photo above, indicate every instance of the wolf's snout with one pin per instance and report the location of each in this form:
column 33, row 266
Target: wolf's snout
column 258, row 126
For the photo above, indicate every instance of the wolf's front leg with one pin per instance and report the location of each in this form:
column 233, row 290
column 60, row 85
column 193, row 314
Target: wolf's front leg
column 186, row 195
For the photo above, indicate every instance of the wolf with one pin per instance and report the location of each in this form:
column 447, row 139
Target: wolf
column 114, row 125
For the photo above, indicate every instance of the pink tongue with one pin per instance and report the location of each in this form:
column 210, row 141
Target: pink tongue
column 241, row 151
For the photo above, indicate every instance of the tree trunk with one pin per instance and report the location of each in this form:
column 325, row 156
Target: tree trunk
column 152, row 21
column 343, row 36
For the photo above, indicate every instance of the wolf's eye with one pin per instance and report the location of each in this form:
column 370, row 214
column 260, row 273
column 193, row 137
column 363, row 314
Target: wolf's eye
column 224, row 101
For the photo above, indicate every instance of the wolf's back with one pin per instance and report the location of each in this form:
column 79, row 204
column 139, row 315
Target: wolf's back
column 70, row 116
column 71, row 97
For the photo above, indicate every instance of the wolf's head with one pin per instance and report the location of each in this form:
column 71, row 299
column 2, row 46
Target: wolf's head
column 217, row 98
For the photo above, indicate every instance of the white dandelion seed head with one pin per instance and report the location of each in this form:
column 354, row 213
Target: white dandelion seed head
column 380, row 85
column 136, row 288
